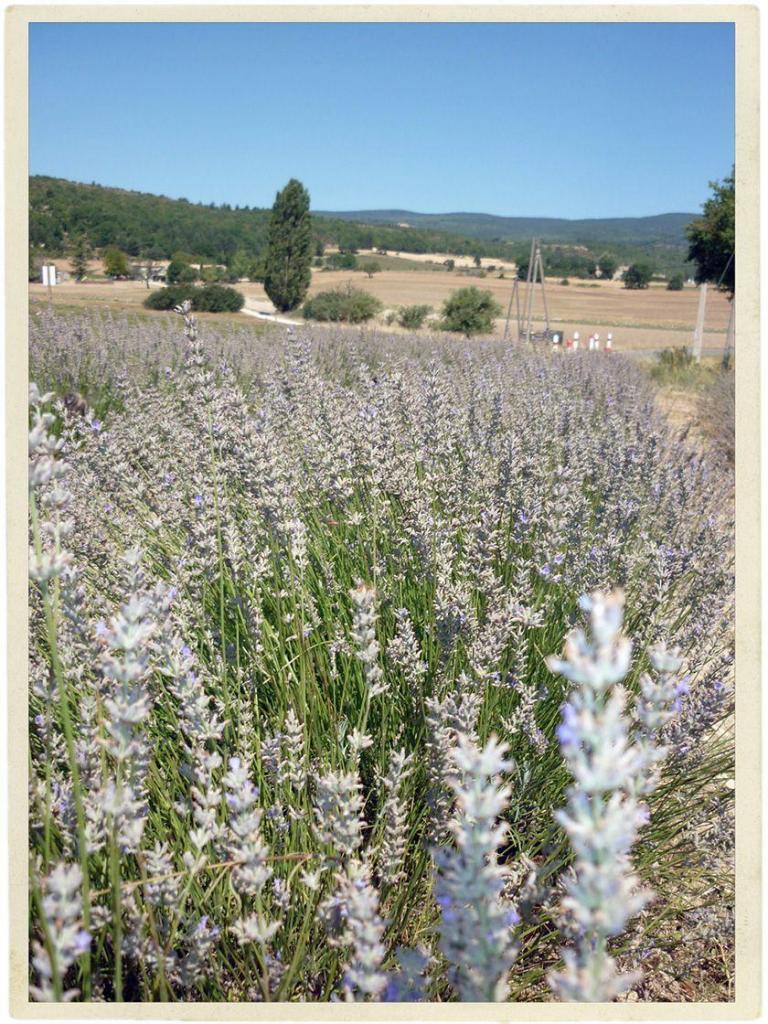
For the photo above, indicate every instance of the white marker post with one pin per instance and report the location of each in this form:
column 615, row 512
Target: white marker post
column 597, row 343
column 49, row 277
column 575, row 341
column 609, row 343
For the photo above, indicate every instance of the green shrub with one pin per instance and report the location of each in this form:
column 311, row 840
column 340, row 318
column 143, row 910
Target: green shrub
column 675, row 283
column 213, row 298
column 677, row 367
column 412, row 317
column 675, row 358
column 217, row 298
column 469, row 311
column 342, row 305
column 167, row 298
column 342, row 261
column 565, row 281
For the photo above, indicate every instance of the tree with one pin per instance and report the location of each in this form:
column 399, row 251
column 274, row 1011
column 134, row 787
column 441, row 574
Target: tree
column 370, row 267
column 478, row 261
column 180, row 272
column 289, row 248
column 608, row 266
column 256, row 270
column 34, row 265
column 522, row 268
column 675, row 283
column 115, row 262
column 712, row 238
column 145, row 270
column 469, row 311
column 637, row 276
column 239, row 264
column 81, row 251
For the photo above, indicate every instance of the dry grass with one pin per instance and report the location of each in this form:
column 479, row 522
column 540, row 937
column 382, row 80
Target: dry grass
column 651, row 319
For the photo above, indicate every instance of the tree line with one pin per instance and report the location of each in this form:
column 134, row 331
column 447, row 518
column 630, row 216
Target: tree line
column 68, row 218
column 141, row 224
column 147, row 226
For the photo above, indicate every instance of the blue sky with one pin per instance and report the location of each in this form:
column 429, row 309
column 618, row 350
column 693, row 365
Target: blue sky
column 562, row 120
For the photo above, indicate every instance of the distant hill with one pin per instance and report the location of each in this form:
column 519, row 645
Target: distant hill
column 141, row 223
column 663, row 228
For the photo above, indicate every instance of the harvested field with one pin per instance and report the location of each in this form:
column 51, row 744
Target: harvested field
column 651, row 319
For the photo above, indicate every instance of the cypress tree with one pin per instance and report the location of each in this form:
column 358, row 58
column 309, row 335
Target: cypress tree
column 289, row 253
column 79, row 260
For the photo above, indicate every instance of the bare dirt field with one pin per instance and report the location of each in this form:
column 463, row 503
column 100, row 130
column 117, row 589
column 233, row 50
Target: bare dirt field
column 650, row 319
column 440, row 257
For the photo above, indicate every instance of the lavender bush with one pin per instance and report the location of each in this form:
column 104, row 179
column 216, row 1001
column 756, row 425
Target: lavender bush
column 293, row 732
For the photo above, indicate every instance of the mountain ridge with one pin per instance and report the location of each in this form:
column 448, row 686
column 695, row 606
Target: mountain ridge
column 659, row 227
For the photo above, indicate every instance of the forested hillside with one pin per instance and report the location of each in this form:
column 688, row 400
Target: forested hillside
column 142, row 224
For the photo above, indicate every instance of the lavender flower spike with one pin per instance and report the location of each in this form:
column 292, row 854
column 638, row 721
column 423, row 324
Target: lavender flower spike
column 364, row 632
column 602, row 816
column 476, row 922
column 363, row 977
column 63, row 913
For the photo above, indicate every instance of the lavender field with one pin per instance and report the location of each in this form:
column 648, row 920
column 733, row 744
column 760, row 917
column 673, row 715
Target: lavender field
column 370, row 667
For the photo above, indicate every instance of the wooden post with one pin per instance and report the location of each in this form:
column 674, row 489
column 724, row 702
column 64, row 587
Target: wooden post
column 543, row 291
column 530, row 284
column 514, row 296
column 698, row 334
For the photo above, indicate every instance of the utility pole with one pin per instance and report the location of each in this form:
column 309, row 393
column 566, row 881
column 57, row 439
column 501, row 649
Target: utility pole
column 698, row 334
